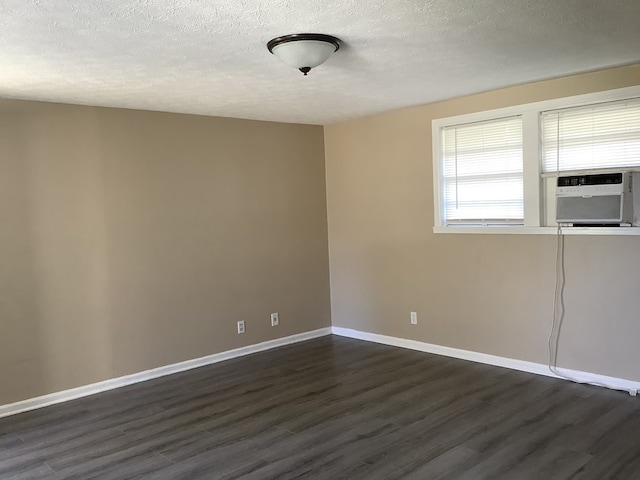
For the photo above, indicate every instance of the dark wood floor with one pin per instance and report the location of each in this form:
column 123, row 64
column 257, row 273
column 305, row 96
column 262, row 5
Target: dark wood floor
column 332, row 408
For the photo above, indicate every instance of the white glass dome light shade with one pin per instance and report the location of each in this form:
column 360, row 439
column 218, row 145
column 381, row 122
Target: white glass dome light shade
column 304, row 51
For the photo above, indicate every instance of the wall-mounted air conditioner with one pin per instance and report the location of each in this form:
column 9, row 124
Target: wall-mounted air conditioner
column 599, row 199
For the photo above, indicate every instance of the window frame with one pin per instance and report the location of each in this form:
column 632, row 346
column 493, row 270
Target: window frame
column 534, row 203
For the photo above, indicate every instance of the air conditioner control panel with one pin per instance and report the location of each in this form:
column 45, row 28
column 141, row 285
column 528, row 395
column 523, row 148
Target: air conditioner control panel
column 596, row 179
column 590, row 190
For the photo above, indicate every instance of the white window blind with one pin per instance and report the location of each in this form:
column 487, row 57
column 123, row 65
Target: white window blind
column 482, row 173
column 605, row 135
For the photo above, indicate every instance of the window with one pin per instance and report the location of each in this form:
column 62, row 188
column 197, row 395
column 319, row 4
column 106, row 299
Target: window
column 605, row 135
column 494, row 171
column 482, row 172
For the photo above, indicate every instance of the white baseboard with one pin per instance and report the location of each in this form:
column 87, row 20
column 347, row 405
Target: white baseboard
column 86, row 390
column 583, row 377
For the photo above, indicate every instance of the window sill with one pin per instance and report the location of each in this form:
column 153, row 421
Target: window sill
column 513, row 230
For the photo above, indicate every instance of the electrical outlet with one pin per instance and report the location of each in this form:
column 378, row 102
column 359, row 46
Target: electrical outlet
column 274, row 320
column 240, row 327
column 414, row 318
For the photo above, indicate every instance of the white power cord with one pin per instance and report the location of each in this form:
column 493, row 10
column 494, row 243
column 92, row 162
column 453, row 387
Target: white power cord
column 558, row 300
column 558, row 318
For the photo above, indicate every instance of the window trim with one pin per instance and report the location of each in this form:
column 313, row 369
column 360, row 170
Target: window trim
column 532, row 167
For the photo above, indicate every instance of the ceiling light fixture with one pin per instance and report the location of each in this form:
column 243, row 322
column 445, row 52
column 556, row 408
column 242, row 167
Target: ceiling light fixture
column 304, row 51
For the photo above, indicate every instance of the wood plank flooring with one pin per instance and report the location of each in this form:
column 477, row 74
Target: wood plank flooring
column 332, row 408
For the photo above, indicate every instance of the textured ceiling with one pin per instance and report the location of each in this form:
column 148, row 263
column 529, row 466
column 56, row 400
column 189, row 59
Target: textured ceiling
column 209, row 57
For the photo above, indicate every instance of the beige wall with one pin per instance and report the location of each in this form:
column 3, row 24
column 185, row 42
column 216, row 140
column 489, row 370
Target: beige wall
column 486, row 293
column 132, row 240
